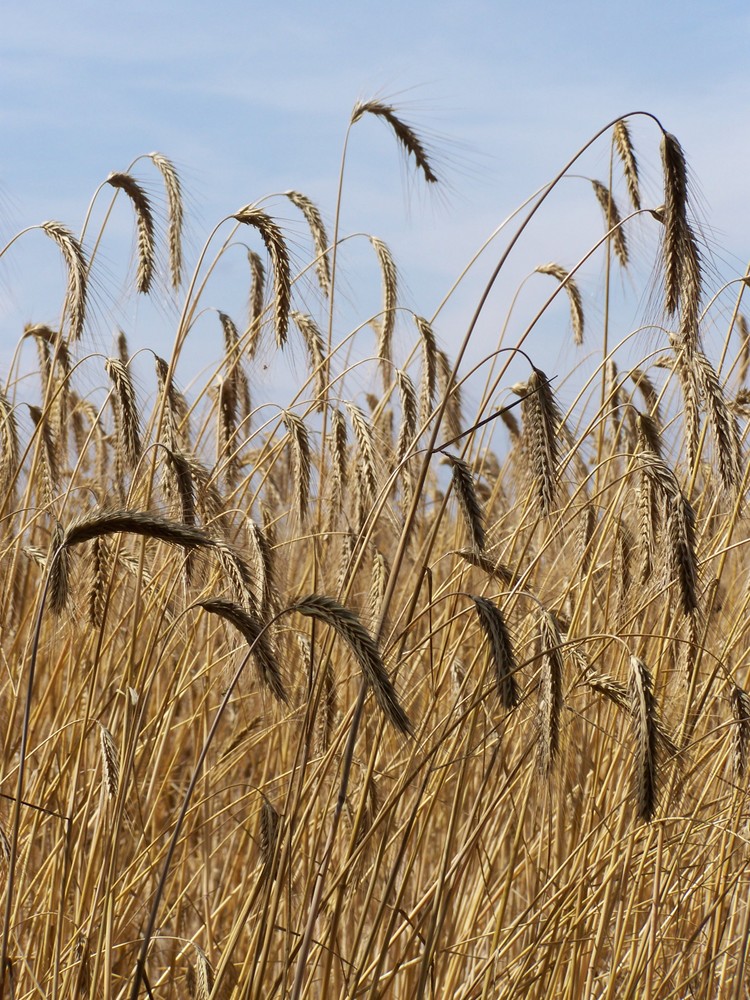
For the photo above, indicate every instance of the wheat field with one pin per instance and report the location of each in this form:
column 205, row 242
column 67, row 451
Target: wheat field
column 426, row 680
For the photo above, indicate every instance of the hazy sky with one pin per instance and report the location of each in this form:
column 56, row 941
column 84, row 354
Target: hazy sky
column 249, row 99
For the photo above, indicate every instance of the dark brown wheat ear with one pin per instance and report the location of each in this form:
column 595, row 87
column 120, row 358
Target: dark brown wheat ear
column 468, row 503
column 251, row 629
column 550, row 700
column 503, row 657
column 626, row 152
column 643, row 713
column 541, row 420
column 407, row 137
column 346, row 624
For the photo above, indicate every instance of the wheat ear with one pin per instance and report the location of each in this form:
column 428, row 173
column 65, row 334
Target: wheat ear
column 503, row 657
column 407, row 428
column 255, row 300
column 235, row 371
column 363, row 434
column 346, row 624
column 626, row 152
column 450, row 391
column 50, row 467
column 407, row 137
column 320, row 238
column 270, row 824
column 550, row 704
column 643, row 713
column 612, row 220
column 389, row 277
column 58, row 563
column 468, row 503
column 125, row 405
column 727, row 446
column 740, row 702
column 313, row 339
column 110, row 761
column 300, row 445
column 339, row 452
column 428, row 383
column 274, row 243
column 145, row 223
column 174, row 215
column 75, row 262
column 744, row 357
column 541, row 418
column 8, row 443
column 574, row 296
column 251, row 629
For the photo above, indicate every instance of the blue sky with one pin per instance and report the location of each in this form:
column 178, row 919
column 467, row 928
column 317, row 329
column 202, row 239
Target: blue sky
column 250, row 99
